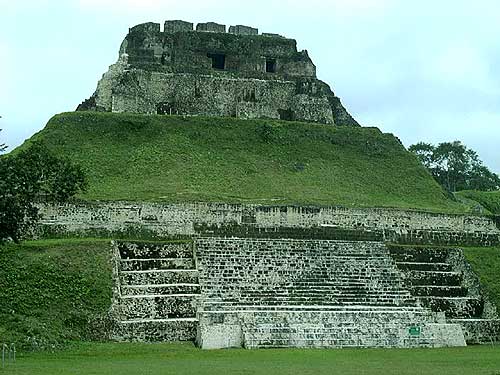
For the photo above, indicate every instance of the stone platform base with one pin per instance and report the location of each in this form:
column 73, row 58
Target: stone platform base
column 331, row 327
column 156, row 330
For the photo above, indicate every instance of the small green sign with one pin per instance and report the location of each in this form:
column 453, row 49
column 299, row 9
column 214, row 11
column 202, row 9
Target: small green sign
column 414, row 331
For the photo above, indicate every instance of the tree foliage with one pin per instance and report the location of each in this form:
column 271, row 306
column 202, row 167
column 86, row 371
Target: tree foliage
column 455, row 166
column 3, row 146
column 32, row 175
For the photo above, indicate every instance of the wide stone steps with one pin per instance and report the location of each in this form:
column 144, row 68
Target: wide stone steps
column 159, row 287
column 433, row 281
column 156, row 264
column 314, row 293
column 438, row 291
column 418, row 255
column 148, row 277
column 437, row 278
column 413, row 266
column 455, row 307
column 340, row 283
column 308, row 300
column 223, row 306
column 329, row 290
column 150, row 250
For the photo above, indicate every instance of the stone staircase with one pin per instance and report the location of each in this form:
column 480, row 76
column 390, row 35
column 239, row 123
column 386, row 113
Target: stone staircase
column 437, row 280
column 156, row 287
column 261, row 293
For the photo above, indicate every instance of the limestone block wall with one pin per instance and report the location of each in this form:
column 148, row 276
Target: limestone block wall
column 192, row 219
column 141, row 91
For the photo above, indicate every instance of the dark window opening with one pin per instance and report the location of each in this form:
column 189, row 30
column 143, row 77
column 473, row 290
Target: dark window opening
column 164, row 109
column 286, row 114
column 197, row 91
column 271, row 66
column 249, row 96
column 218, row 60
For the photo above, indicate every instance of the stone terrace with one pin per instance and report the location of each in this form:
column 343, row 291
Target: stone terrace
column 156, row 291
column 310, row 293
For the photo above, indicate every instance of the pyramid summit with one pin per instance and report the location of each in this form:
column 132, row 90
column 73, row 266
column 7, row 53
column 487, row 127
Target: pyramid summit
column 208, row 71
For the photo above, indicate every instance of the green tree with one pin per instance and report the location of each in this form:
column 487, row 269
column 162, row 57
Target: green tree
column 3, row 147
column 30, row 176
column 455, row 166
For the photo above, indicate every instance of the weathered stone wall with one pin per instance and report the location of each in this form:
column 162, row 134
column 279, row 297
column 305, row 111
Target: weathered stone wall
column 211, row 72
column 164, row 220
column 188, row 94
column 243, row 30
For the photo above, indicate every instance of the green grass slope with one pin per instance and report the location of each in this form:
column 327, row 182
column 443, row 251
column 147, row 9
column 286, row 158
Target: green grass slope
column 173, row 159
column 485, row 262
column 490, row 200
column 53, row 292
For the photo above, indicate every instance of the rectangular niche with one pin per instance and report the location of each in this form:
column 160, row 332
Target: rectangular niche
column 271, row 65
column 218, row 60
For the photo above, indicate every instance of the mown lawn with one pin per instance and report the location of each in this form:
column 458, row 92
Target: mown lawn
column 178, row 159
column 179, row 359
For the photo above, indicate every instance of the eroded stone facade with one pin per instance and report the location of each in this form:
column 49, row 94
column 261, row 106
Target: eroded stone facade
column 211, row 72
column 194, row 219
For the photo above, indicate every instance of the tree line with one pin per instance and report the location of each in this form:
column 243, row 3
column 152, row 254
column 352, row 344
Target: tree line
column 455, row 166
column 32, row 175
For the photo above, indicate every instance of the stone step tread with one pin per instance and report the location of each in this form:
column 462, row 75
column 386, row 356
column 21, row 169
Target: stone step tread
column 158, row 271
column 437, row 286
column 144, row 286
column 322, row 310
column 426, row 263
column 473, row 320
column 151, row 259
column 327, row 300
column 330, row 346
column 171, row 320
column 451, row 298
column 346, row 292
column 432, row 272
column 148, row 296
column 351, row 308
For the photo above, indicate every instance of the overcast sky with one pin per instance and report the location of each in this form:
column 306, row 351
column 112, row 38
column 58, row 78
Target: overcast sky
column 423, row 70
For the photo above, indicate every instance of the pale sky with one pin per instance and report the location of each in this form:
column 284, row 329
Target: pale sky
column 423, row 70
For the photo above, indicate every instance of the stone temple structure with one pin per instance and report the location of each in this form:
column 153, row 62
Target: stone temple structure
column 256, row 276
column 238, row 73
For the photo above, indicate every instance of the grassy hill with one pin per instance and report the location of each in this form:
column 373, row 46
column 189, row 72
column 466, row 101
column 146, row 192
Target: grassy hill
column 485, row 262
column 172, row 159
column 490, row 200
